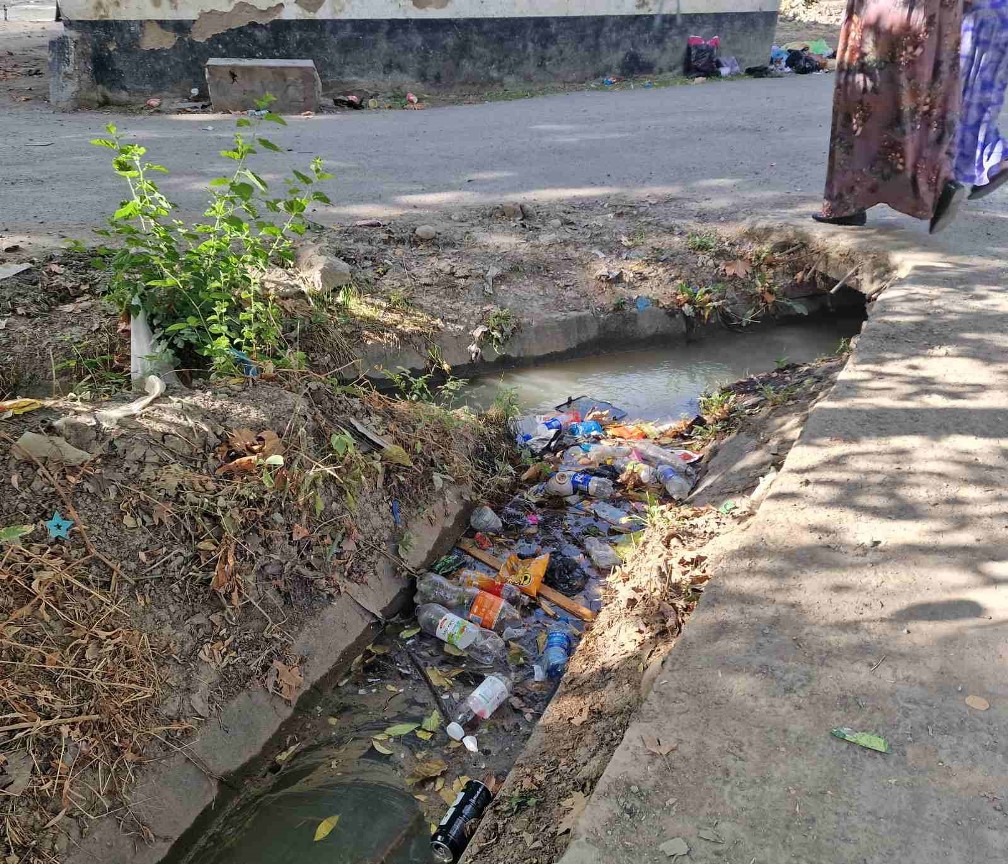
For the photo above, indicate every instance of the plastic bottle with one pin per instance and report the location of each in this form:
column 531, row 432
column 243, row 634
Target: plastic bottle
column 557, row 652
column 550, row 425
column 478, row 706
column 620, row 520
column 601, row 553
column 474, row 579
column 677, row 484
column 482, row 645
column 486, row 609
column 655, row 454
column 566, row 483
column 595, row 454
column 584, row 428
column 484, row 519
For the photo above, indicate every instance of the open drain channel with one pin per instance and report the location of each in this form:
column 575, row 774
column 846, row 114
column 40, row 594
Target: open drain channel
column 371, row 749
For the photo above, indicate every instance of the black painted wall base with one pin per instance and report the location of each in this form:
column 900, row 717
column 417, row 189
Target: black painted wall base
column 382, row 54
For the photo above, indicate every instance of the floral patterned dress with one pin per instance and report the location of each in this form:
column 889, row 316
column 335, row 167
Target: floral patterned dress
column 896, row 106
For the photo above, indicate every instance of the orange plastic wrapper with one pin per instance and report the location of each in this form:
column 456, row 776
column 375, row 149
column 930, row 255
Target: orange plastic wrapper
column 526, row 573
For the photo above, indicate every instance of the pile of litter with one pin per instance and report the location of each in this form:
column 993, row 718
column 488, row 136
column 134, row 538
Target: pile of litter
column 514, row 599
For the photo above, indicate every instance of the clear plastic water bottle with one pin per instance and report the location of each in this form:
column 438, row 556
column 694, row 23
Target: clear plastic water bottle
column 566, row 483
column 482, row 645
column 676, row 483
column 550, row 425
column 478, row 707
column 655, row 454
column 557, row 652
column 488, row 610
column 601, row 553
column 484, row 582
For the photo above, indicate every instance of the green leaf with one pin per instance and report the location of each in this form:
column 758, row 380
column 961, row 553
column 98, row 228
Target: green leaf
column 219, row 181
column 863, row 739
column 127, row 211
column 409, row 632
column 381, row 748
column 13, row 533
column 395, row 454
column 304, row 178
column 274, row 118
column 321, row 196
column 243, row 190
column 276, row 460
column 243, row 121
column 322, row 175
column 401, row 729
column 325, row 827
column 105, row 142
column 259, row 183
column 433, row 722
column 266, row 144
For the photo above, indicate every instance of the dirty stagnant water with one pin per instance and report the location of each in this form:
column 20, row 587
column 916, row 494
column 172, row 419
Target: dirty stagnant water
column 335, row 768
column 663, row 383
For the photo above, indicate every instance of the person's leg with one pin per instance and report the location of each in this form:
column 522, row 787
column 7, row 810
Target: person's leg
column 982, row 151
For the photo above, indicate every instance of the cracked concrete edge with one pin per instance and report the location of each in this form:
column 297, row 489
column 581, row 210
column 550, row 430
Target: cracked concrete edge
column 170, row 794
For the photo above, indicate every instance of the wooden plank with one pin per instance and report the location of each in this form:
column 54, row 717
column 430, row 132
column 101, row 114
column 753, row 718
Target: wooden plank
column 547, row 593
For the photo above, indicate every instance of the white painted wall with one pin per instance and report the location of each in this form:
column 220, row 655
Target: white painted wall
column 189, row 10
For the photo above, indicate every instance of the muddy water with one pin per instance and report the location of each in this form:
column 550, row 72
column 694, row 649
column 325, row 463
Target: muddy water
column 664, row 383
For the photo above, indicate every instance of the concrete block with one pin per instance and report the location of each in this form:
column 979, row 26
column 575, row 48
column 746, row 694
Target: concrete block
column 235, row 84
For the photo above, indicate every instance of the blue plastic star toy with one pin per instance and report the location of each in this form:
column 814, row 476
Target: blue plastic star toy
column 58, row 526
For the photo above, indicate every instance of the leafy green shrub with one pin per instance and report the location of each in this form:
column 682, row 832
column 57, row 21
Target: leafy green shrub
column 201, row 283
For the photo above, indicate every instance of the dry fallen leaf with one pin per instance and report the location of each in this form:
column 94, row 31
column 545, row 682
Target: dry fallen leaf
column 439, row 680
column 657, row 746
column 289, row 678
column 575, row 806
column 325, row 827
column 581, row 716
column 738, row 267
column 401, row 729
column 978, row 703
column 426, row 770
column 299, row 532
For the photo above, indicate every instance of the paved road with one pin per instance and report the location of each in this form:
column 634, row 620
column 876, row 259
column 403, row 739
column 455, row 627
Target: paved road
column 725, row 147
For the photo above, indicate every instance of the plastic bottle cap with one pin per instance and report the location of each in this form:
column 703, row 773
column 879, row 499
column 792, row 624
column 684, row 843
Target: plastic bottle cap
column 469, row 742
column 455, row 731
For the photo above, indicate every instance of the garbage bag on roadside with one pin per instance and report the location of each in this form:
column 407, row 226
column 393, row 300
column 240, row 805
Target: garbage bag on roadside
column 802, row 62
column 702, row 56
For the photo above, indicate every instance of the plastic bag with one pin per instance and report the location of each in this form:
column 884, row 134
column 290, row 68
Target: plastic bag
column 701, row 57
column 590, row 409
column 146, row 353
column 729, row 66
column 526, row 573
column 802, row 63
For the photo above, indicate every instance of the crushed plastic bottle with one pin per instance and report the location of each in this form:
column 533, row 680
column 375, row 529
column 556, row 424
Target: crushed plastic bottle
column 482, row 645
column 474, row 579
column 601, row 553
column 488, row 610
column 550, row 425
column 676, row 483
column 619, row 519
column 556, row 653
column 484, row 519
column 655, row 454
column 478, row 707
column 566, row 483
column 596, row 454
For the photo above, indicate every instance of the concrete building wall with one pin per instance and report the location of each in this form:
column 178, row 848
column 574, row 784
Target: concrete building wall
column 139, row 47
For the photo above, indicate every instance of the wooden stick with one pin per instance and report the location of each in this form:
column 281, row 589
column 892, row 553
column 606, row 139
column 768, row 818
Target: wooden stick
column 547, row 593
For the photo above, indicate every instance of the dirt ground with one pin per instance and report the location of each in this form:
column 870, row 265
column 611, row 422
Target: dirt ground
column 24, row 61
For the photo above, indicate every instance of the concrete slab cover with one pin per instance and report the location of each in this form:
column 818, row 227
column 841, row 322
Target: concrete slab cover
column 235, row 84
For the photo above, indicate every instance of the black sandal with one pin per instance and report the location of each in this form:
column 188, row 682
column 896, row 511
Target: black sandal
column 855, row 219
column 948, row 206
column 992, row 186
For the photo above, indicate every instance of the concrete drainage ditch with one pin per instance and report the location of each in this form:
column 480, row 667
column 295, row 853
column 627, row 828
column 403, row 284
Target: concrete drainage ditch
column 341, row 750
